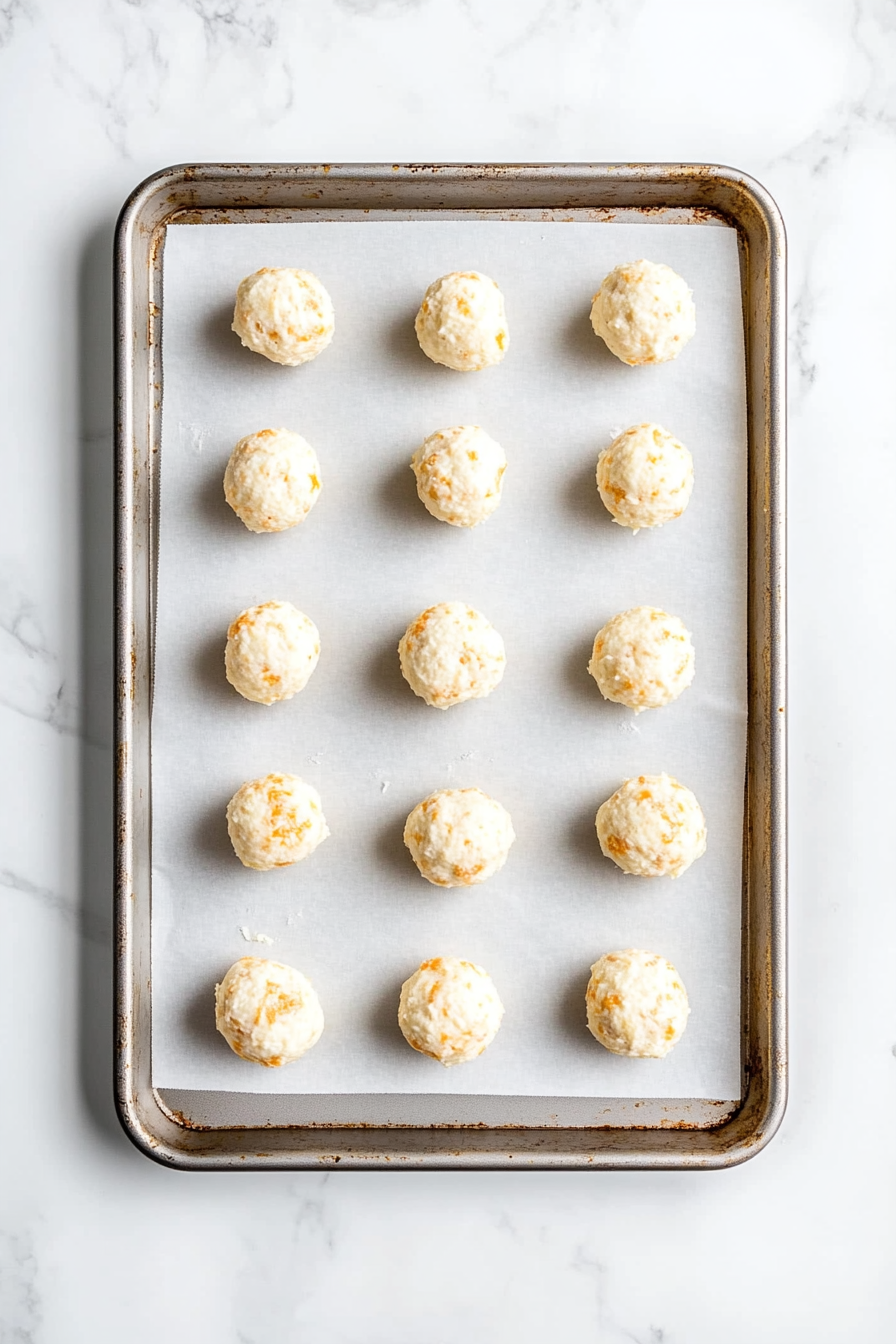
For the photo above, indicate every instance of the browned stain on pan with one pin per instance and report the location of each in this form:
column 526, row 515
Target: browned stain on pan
column 697, row 194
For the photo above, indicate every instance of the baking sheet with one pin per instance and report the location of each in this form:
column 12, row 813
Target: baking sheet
column 548, row 569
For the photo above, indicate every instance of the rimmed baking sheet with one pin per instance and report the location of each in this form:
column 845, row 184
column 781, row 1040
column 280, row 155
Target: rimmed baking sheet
column 209, row 1129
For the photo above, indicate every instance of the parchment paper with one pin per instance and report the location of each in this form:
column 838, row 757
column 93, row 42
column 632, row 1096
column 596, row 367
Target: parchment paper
column 547, row 569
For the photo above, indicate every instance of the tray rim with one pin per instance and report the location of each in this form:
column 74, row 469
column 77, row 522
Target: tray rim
column 170, row 1138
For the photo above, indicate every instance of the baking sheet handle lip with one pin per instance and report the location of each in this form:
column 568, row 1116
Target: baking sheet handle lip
column 778, row 1086
column 182, row 174
column 130, row 1108
column 335, row 1157
column 124, row 1092
column 131, row 1103
column 342, row 1155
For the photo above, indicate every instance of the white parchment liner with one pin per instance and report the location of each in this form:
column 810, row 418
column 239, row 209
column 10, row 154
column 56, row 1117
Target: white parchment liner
column 547, row 569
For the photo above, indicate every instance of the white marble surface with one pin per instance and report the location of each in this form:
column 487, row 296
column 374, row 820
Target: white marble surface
column 95, row 1241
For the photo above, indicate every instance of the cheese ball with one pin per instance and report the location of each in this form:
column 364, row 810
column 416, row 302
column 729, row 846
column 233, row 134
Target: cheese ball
column 267, row 1013
column 460, row 473
column 642, row 658
column 275, row 821
column 652, row 827
column 459, row 837
column 449, row 1009
column 451, row 653
column 644, row 312
column 636, row 1004
column 461, row 322
column 271, row 652
column 272, row 480
column 645, row 477
column 283, row 314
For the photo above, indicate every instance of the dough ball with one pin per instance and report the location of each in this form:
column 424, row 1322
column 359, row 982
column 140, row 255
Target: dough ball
column 461, row 322
column 272, row 480
column 283, row 314
column 449, row 1010
column 652, row 827
column 645, row 477
column 636, row 1004
column 451, row 653
column 642, row 658
column 459, row 837
column 267, row 1013
column 644, row 312
column 275, row 821
column 459, row 473
column 271, row 652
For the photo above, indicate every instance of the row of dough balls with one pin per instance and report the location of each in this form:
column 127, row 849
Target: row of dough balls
column 643, row 311
column 449, row 1009
column 273, row 478
column 450, row 653
column 652, row 826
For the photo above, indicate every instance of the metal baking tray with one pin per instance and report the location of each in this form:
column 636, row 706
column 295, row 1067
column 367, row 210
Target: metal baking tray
column 215, row 1131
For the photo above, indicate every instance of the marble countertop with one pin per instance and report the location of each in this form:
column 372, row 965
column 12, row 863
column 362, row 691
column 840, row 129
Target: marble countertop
column 97, row 1242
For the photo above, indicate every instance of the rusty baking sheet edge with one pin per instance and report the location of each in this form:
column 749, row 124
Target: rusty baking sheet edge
column 682, row 190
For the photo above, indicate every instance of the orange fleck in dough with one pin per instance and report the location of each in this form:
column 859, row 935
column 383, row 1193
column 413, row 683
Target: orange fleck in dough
column 461, row 842
column 272, row 480
column 636, row 1004
column 644, row 312
column 634, row 662
column 652, row 832
column 459, row 474
column 450, row 654
column 271, row 652
column 461, row 322
column 284, row 314
column 267, row 1012
column 275, row 821
column 645, row 477
column 449, row 1010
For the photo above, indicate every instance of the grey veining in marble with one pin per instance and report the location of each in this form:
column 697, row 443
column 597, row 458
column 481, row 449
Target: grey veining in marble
column 95, row 1241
